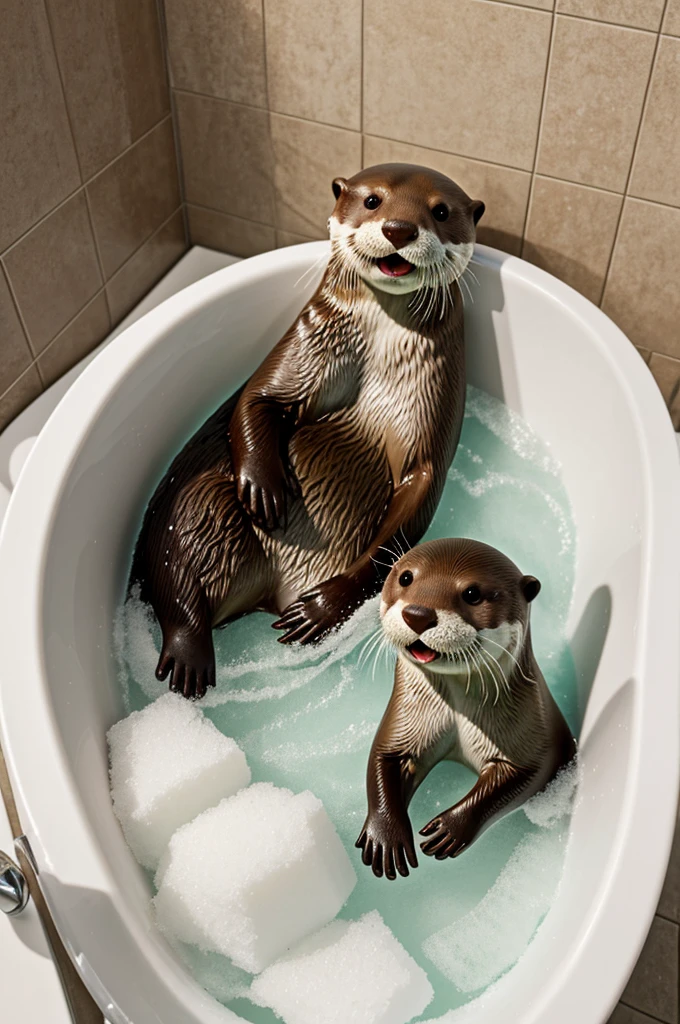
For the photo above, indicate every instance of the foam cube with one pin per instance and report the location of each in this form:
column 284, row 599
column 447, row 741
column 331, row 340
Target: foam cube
column 168, row 764
column 351, row 972
column 253, row 876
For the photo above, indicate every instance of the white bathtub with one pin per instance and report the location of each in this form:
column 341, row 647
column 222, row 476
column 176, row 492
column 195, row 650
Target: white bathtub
column 570, row 372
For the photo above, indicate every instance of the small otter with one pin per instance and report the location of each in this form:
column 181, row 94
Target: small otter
column 338, row 442
column 466, row 688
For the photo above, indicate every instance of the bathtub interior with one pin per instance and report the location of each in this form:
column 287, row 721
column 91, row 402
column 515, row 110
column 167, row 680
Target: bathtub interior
column 521, row 339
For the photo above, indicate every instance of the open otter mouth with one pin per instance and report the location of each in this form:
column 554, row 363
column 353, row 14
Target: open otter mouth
column 421, row 652
column 395, row 265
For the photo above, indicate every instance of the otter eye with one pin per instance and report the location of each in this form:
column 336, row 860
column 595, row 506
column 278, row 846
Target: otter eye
column 440, row 211
column 372, row 202
column 406, row 578
column 472, row 595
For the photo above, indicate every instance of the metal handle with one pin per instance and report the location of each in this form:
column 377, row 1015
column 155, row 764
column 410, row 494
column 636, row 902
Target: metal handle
column 13, row 888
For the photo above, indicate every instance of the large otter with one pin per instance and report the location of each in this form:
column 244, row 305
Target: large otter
column 338, row 442
column 466, row 688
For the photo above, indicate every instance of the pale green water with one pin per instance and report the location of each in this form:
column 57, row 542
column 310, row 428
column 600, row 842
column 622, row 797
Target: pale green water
column 306, row 717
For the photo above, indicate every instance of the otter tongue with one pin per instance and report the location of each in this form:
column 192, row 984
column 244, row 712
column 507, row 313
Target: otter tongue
column 421, row 652
column 395, row 265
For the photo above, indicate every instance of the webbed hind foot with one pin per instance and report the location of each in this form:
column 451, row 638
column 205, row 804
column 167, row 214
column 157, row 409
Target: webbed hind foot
column 188, row 657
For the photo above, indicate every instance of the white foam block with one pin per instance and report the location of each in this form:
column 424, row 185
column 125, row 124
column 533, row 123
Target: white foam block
column 168, row 764
column 352, row 972
column 253, row 876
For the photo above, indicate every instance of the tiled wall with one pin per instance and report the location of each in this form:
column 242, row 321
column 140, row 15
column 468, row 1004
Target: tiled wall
column 565, row 121
column 90, row 209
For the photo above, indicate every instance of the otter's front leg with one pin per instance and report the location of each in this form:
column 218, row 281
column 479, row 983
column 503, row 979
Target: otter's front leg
column 500, row 788
column 386, row 840
column 329, row 604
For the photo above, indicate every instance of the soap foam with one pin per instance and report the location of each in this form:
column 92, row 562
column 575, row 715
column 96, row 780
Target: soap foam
column 169, row 763
column 488, row 940
column 557, row 800
column 509, row 427
column 254, row 875
column 351, row 972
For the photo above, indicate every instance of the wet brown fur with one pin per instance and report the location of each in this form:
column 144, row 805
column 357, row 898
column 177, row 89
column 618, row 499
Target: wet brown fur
column 516, row 745
column 283, row 499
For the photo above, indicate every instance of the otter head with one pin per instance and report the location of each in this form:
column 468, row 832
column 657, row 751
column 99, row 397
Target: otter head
column 402, row 228
column 454, row 606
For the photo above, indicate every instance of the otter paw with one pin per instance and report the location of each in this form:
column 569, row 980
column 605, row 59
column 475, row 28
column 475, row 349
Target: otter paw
column 387, row 845
column 264, row 495
column 449, row 834
column 319, row 611
column 190, row 663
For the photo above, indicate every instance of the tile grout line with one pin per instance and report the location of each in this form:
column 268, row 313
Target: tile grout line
column 539, row 128
column 429, row 149
column 97, row 294
column 81, row 187
column 362, row 87
column 63, row 90
column 161, row 15
column 20, row 315
column 576, row 17
column 644, row 1013
column 636, row 142
column 152, row 235
column 268, row 109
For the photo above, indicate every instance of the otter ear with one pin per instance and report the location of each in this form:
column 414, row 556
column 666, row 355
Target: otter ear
column 530, row 587
column 478, row 209
column 339, row 186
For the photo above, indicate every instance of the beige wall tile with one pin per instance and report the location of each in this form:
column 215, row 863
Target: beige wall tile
column 635, row 13
column 642, row 294
column 217, row 47
column 469, row 84
column 644, row 353
column 285, row 238
column 134, row 196
column 230, row 234
column 314, row 60
column 226, row 157
column 15, row 355
column 504, row 191
column 541, row 5
column 671, row 22
column 54, row 271
column 76, row 341
column 570, row 233
column 112, row 67
column 596, row 87
column 656, row 171
column 22, row 392
column 653, row 987
column 306, row 159
column 146, row 267
column 38, row 166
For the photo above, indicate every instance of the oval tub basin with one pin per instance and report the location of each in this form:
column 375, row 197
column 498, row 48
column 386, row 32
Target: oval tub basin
column 551, row 356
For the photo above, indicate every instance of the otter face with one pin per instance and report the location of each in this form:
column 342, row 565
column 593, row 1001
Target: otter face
column 402, row 228
column 456, row 606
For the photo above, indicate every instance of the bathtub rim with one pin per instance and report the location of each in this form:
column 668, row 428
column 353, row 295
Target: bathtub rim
column 45, row 476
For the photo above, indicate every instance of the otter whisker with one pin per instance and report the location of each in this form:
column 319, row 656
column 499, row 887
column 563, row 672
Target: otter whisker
column 510, row 655
column 504, row 682
column 406, row 543
column 492, row 673
column 310, row 270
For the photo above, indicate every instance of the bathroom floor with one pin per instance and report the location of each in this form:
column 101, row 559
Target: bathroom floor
column 652, row 993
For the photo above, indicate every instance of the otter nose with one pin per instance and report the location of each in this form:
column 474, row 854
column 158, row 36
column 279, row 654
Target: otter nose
column 400, row 232
column 419, row 618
